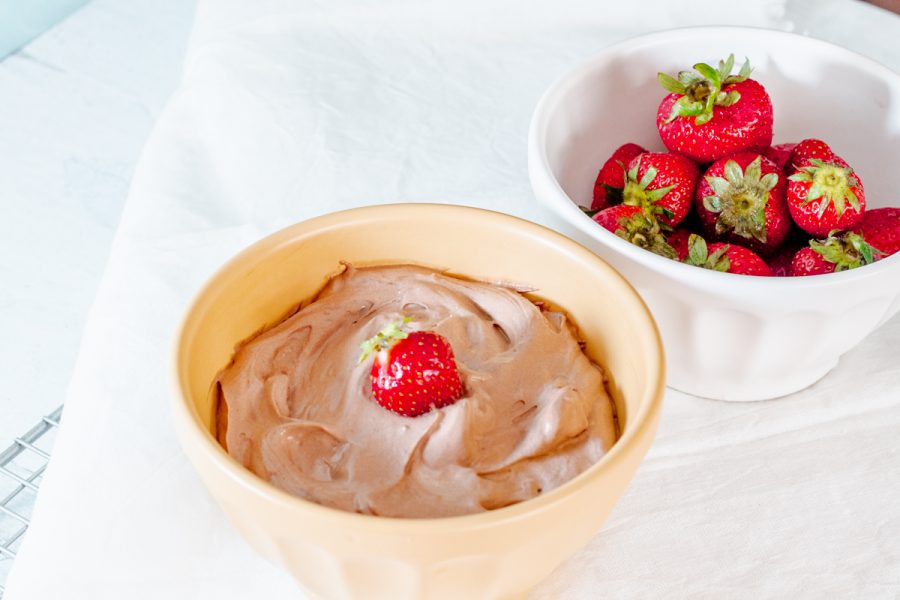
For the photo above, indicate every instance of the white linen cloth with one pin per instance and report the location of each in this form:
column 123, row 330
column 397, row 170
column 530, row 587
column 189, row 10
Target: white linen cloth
column 288, row 111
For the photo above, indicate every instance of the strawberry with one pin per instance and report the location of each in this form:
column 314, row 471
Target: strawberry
column 741, row 199
column 614, row 217
column 679, row 240
column 809, row 149
column 413, row 372
column 633, row 224
column 662, row 184
column 712, row 114
column 837, row 252
column 823, row 196
column 611, row 178
column 808, row 262
column 780, row 262
column 881, row 227
column 779, row 154
column 727, row 258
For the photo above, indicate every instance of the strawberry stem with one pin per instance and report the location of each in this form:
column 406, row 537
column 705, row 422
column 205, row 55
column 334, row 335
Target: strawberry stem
column 636, row 193
column 392, row 333
column 831, row 182
column 646, row 232
column 846, row 251
column 699, row 256
column 739, row 199
column 702, row 90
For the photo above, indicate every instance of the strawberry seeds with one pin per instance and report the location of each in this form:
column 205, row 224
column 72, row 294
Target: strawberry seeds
column 413, row 372
column 788, row 209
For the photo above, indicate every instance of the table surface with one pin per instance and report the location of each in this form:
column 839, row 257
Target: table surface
column 72, row 132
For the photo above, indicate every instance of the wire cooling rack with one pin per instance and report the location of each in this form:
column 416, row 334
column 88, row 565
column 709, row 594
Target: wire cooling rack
column 22, row 467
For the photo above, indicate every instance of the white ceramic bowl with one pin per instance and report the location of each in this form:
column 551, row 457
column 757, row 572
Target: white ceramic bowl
column 727, row 336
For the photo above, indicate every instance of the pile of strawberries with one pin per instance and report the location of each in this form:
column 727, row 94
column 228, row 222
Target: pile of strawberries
column 758, row 209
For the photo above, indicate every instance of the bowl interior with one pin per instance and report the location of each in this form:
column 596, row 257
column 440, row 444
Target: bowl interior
column 817, row 90
column 263, row 283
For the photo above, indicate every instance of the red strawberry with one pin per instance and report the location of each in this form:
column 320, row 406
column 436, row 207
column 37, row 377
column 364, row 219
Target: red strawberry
column 712, row 114
column 662, row 184
column 780, row 262
column 611, row 179
column 837, row 252
column 727, row 258
column 809, row 149
column 808, row 262
column 881, row 228
column 824, row 196
column 679, row 241
column 632, row 224
column 413, row 372
column 614, row 217
column 780, row 154
column 741, row 199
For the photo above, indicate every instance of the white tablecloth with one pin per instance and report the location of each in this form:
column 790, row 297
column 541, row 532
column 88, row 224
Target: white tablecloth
column 288, row 111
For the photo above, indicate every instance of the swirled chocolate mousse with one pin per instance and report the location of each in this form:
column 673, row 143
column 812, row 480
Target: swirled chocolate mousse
column 529, row 411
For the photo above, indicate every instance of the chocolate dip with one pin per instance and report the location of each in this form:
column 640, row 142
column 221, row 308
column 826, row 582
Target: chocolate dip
column 296, row 408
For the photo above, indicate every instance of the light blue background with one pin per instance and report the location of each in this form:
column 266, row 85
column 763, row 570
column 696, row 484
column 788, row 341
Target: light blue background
column 23, row 20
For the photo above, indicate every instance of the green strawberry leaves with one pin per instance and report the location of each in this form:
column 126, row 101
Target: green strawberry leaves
column 671, row 84
column 697, row 250
column 830, row 184
column 699, row 256
column 845, row 251
column 644, row 231
column 384, row 339
column 726, row 66
column 740, row 199
column 636, row 193
column 702, row 91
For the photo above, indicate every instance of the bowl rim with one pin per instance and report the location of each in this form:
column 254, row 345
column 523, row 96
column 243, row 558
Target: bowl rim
column 561, row 204
column 644, row 421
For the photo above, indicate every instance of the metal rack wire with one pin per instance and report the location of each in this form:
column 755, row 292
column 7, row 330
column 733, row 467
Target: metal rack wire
column 22, row 466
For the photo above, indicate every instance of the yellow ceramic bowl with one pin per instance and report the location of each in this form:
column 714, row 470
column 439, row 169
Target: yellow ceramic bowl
column 498, row 554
